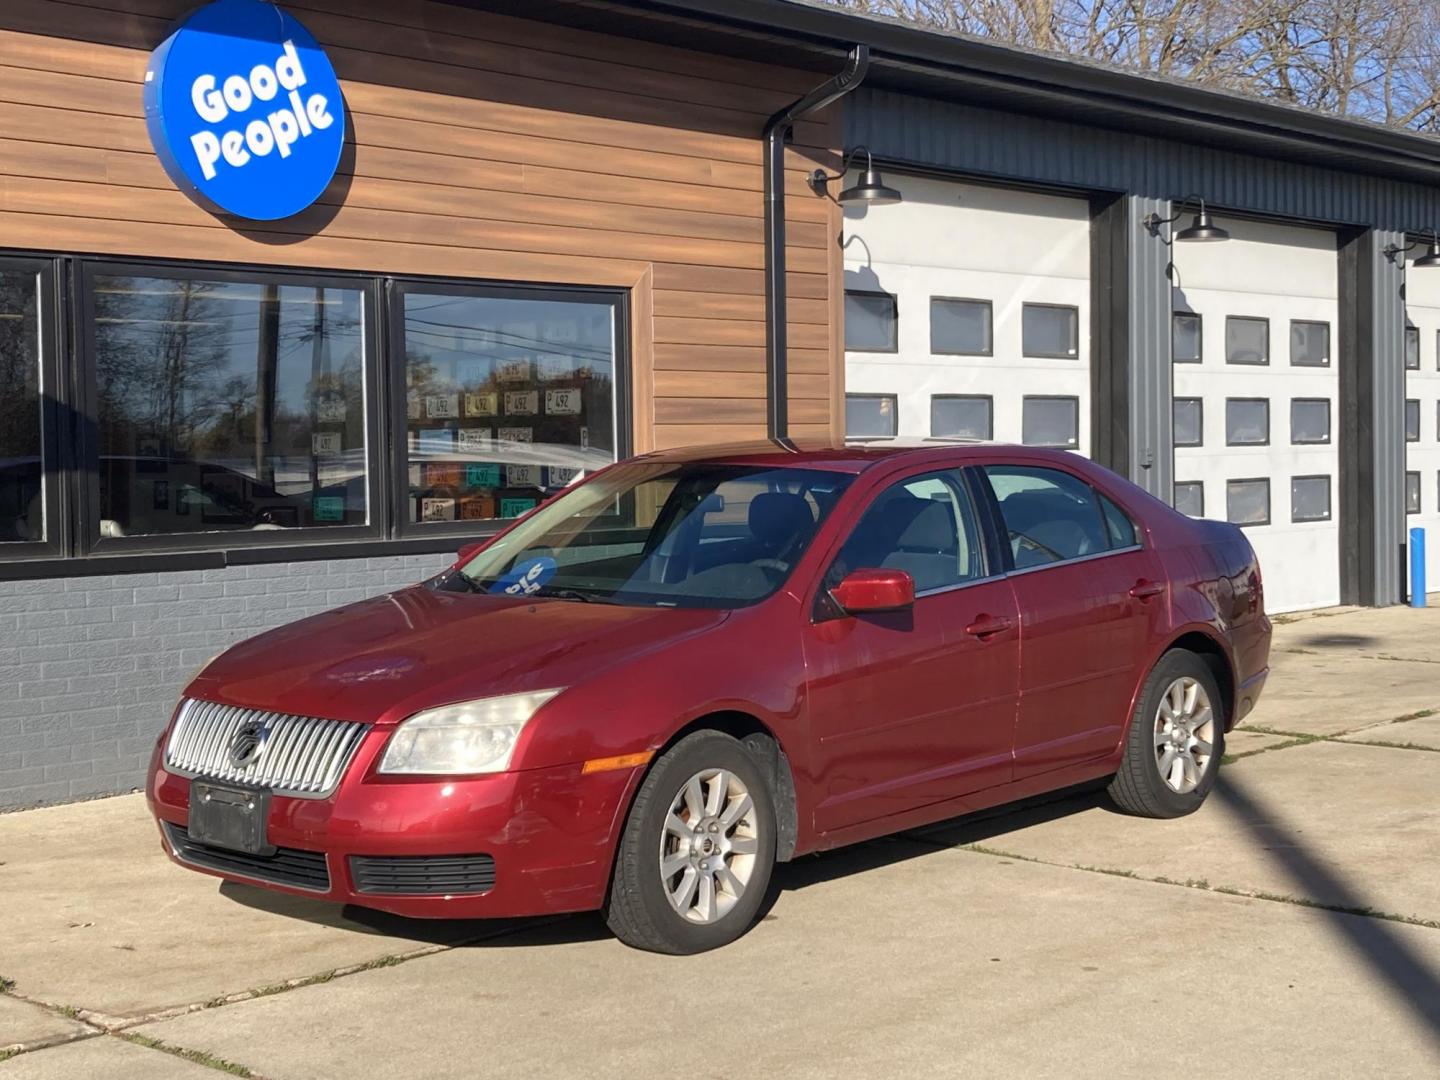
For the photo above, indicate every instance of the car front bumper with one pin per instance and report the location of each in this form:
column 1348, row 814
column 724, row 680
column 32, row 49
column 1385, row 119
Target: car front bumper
column 418, row 846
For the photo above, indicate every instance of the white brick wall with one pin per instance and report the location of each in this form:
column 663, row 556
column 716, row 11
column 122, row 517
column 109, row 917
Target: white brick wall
column 90, row 667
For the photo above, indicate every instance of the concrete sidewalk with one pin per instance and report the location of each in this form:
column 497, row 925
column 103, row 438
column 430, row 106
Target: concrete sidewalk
column 1291, row 928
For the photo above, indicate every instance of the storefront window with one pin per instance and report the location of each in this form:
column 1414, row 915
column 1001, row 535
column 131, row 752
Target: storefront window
column 22, row 516
column 508, row 399
column 227, row 405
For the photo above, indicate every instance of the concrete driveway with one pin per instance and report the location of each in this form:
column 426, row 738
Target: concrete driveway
column 1290, row 929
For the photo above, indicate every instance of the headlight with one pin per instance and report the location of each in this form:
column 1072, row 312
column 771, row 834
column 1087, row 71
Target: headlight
column 472, row 737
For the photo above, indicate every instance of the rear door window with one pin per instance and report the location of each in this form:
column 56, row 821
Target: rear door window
column 1052, row 517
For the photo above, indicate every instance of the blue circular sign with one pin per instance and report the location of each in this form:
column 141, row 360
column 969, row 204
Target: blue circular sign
column 526, row 578
column 245, row 111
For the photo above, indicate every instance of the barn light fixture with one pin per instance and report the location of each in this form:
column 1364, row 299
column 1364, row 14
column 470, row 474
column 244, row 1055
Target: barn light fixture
column 1201, row 228
column 870, row 189
column 1424, row 262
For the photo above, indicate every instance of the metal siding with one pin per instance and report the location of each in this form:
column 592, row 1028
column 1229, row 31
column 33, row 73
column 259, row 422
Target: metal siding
column 1152, row 463
column 1388, row 417
column 989, row 142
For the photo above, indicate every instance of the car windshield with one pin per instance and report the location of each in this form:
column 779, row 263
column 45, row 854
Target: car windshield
column 663, row 534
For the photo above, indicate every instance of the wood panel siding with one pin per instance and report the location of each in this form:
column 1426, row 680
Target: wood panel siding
column 481, row 146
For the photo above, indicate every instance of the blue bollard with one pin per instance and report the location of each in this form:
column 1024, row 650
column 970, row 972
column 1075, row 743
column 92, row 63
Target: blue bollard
column 1417, row 567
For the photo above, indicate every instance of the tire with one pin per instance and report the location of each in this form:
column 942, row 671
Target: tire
column 1156, row 748
column 659, row 858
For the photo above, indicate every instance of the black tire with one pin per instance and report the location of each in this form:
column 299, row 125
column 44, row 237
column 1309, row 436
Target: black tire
column 638, row 910
column 1138, row 787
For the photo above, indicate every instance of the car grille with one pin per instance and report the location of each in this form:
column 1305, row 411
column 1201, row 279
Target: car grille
column 302, row 756
column 423, row 875
column 287, row 866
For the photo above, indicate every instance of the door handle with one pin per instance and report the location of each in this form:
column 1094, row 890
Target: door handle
column 1146, row 590
column 986, row 626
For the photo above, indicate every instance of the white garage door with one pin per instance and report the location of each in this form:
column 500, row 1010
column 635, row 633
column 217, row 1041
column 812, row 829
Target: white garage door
column 1422, row 414
column 967, row 314
column 1256, row 400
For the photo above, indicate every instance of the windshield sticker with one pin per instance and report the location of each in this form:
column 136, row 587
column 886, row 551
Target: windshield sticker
column 526, row 578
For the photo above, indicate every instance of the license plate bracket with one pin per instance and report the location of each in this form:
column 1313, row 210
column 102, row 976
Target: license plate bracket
column 229, row 817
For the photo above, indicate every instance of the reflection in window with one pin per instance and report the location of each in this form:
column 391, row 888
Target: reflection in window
column 1050, row 421
column 960, row 327
column 1247, row 340
column 1412, row 420
column 1310, row 498
column 21, row 504
column 1310, row 420
column 1412, row 493
column 1050, row 330
column 1049, row 515
column 1189, row 422
column 957, row 416
column 923, row 525
column 1412, row 348
column 228, row 405
column 508, row 398
column 1247, row 502
column 1309, row 344
column 871, row 322
column 870, row 415
column 1190, row 497
column 1185, row 337
column 1247, row 421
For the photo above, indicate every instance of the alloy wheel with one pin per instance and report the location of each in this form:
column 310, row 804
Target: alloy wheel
column 708, row 846
column 1184, row 735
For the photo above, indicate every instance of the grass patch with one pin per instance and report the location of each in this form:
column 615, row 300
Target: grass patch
column 6, row 1055
column 1421, row 715
column 1394, row 745
column 197, row 1057
column 6, row 985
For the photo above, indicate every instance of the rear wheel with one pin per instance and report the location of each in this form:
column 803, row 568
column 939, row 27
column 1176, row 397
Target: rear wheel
column 1177, row 736
column 698, row 849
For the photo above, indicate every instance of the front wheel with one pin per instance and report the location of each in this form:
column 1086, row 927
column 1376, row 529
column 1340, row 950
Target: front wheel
column 1177, row 736
column 698, row 849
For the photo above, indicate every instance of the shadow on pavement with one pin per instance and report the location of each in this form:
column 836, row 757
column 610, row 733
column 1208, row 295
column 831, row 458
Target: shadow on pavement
column 1337, row 641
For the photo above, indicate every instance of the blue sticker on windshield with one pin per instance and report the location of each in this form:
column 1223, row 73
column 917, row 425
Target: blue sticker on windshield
column 526, row 578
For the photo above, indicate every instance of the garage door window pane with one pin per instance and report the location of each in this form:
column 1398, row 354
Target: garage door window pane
column 1247, row 502
column 1190, row 498
column 1051, row 421
column 1185, row 338
column 1310, row 344
column 228, row 406
column 508, row 398
column 1189, row 422
column 1412, row 420
column 1310, row 498
column 1412, row 493
column 870, row 415
column 1247, row 421
column 871, row 322
column 1310, row 420
column 22, row 513
column 956, row 417
column 1247, row 340
column 960, row 327
column 1412, row 348
column 1048, row 330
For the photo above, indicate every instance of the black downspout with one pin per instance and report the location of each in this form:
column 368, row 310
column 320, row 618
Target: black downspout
column 777, row 132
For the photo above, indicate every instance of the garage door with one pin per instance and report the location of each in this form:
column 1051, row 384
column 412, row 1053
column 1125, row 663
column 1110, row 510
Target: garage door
column 1255, row 400
column 967, row 315
column 1422, row 413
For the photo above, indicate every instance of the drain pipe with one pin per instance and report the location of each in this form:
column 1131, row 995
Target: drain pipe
column 777, row 132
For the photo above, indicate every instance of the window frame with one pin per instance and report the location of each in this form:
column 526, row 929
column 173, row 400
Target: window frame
column 1329, row 421
column 1269, row 501
column 879, row 396
column 58, row 469
column 1419, row 492
column 1190, row 483
column 1199, row 337
column 1412, row 331
column 1026, row 354
column 1329, row 498
column 989, row 306
column 1419, row 420
column 1269, row 420
column 989, row 400
column 1199, row 403
column 1329, row 341
column 894, row 299
column 395, row 289
column 1265, row 321
column 1075, row 398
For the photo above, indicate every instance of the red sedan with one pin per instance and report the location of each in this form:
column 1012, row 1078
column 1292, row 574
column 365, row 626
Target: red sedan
column 695, row 664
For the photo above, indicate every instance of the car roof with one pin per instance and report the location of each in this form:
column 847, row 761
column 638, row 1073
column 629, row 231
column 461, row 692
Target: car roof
column 851, row 456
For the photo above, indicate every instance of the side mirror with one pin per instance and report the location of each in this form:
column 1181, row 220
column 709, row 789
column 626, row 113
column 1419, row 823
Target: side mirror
column 875, row 590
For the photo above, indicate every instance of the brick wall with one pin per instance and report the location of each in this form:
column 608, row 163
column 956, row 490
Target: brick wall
column 90, row 667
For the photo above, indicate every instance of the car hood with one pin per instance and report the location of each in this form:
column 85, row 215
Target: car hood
column 383, row 659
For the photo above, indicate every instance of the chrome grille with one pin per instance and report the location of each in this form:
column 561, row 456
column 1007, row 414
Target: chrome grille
column 302, row 756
